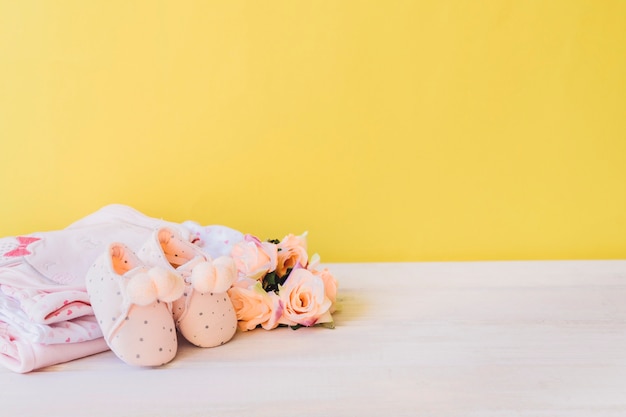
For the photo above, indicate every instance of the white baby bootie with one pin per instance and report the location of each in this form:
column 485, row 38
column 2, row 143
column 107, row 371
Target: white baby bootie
column 132, row 303
column 204, row 314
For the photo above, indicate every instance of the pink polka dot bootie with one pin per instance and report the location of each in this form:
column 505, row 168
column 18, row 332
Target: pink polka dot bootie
column 133, row 305
column 204, row 314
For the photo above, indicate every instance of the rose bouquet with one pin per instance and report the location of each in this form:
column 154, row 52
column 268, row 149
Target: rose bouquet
column 279, row 285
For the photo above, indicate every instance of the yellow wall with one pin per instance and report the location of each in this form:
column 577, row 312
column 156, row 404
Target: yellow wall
column 391, row 130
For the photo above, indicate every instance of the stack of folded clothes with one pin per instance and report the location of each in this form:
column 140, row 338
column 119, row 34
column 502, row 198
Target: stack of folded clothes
column 46, row 314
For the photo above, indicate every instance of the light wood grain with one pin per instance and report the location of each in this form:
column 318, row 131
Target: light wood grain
column 415, row 339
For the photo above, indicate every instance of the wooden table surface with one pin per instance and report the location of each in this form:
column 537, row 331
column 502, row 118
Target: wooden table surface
column 412, row 339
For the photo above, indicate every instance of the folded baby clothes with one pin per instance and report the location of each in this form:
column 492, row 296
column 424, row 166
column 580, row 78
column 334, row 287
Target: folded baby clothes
column 21, row 355
column 213, row 240
column 73, row 330
column 42, row 283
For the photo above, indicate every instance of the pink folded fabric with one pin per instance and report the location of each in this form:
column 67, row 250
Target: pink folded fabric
column 21, row 355
column 42, row 280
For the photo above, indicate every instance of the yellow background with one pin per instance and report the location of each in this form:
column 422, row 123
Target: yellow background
column 390, row 130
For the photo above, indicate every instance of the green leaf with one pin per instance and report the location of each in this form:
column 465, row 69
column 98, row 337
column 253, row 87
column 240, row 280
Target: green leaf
column 271, row 282
column 329, row 325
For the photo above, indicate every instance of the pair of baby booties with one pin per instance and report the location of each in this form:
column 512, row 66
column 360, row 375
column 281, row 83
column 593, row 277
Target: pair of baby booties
column 141, row 299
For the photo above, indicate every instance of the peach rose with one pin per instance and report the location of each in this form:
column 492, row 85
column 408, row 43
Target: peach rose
column 330, row 282
column 254, row 258
column 254, row 307
column 304, row 300
column 291, row 252
column 245, row 282
column 330, row 285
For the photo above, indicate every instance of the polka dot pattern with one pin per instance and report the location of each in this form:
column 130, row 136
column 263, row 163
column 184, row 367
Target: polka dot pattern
column 139, row 335
column 204, row 319
column 210, row 320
